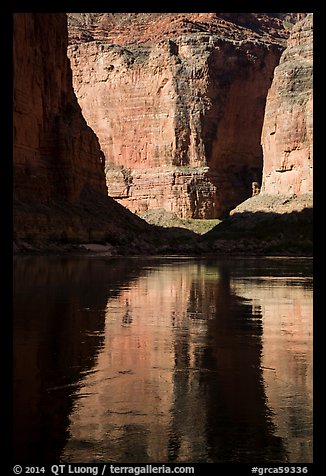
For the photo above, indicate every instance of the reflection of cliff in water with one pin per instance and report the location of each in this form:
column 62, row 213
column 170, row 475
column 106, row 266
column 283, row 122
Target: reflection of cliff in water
column 129, row 360
column 222, row 408
column 127, row 416
column 286, row 307
column 179, row 376
column 59, row 312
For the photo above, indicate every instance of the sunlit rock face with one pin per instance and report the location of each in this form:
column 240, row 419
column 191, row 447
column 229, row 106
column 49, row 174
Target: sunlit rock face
column 177, row 102
column 287, row 135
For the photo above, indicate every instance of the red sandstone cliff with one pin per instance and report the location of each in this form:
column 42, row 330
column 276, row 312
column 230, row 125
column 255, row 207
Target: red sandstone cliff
column 287, row 132
column 54, row 149
column 177, row 105
column 59, row 181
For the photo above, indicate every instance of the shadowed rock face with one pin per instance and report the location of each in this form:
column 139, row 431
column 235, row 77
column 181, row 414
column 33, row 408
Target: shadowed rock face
column 55, row 152
column 287, row 132
column 177, row 105
column 59, row 180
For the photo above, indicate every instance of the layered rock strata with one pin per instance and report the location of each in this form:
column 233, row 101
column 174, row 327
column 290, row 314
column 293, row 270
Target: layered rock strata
column 59, row 181
column 177, row 105
column 287, row 135
column 139, row 28
column 280, row 217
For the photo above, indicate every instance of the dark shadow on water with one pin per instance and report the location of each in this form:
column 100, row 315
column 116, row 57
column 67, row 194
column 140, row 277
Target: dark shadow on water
column 58, row 320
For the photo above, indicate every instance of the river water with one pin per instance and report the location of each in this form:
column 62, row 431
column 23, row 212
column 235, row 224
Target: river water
column 162, row 360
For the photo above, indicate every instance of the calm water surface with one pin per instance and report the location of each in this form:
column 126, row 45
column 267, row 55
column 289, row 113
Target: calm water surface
column 162, row 360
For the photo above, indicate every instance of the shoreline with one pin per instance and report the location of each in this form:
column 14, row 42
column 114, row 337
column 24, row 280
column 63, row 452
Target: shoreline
column 82, row 251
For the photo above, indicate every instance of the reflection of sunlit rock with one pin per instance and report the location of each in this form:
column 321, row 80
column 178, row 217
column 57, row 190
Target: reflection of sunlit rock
column 286, row 308
column 187, row 361
column 132, row 388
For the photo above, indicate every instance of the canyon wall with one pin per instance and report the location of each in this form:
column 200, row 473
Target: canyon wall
column 54, row 149
column 177, row 105
column 287, row 135
column 59, row 180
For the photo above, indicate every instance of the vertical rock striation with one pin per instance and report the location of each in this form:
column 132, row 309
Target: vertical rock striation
column 287, row 131
column 177, row 104
column 59, row 180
